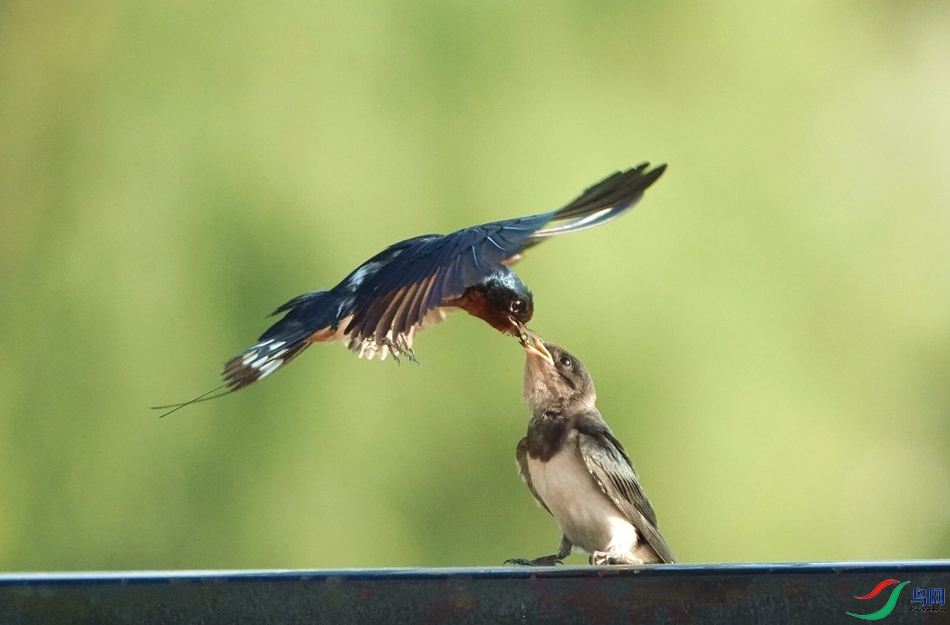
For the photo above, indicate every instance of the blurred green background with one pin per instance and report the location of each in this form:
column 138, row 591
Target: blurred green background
column 769, row 330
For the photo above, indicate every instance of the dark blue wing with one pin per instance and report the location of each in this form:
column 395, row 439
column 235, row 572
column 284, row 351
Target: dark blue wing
column 605, row 201
column 432, row 269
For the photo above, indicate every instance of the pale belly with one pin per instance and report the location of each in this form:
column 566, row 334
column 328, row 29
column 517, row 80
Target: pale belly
column 585, row 514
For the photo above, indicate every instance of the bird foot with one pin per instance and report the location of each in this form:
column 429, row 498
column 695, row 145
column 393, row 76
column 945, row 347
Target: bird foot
column 542, row 561
column 606, row 558
column 399, row 347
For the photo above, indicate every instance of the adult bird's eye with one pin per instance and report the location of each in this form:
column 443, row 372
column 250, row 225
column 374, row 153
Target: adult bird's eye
column 565, row 361
column 516, row 306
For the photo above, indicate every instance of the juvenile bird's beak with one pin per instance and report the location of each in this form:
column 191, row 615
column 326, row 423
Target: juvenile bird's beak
column 534, row 346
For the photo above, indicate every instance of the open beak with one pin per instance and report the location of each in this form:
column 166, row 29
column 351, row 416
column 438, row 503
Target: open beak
column 534, row 346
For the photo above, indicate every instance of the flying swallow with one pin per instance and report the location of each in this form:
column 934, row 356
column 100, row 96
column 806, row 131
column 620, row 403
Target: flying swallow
column 381, row 305
column 577, row 469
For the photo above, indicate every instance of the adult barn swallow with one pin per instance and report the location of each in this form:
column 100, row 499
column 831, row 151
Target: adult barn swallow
column 577, row 469
column 383, row 303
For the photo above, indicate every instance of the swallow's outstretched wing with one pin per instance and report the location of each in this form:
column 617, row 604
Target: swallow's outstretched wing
column 603, row 202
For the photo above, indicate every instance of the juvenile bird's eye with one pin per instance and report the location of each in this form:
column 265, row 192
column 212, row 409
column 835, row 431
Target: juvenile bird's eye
column 565, row 361
column 516, row 306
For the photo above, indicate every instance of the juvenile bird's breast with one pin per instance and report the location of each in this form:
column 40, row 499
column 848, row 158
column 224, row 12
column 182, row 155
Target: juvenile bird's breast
column 585, row 514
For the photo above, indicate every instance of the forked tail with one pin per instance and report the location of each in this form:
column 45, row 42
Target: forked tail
column 281, row 343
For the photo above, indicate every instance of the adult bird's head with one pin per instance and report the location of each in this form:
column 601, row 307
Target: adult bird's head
column 554, row 380
column 502, row 300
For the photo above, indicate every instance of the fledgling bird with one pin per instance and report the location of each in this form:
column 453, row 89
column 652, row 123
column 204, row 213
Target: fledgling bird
column 577, row 469
column 379, row 307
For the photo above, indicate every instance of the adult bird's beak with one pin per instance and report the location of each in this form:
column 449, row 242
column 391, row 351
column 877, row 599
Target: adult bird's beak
column 534, row 346
column 522, row 330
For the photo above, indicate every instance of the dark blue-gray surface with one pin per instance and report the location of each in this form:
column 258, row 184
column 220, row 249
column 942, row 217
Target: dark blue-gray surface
column 729, row 594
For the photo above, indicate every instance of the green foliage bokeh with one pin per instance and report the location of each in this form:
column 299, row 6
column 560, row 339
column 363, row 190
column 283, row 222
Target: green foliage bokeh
column 769, row 330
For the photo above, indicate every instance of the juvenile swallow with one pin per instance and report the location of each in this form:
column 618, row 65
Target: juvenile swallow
column 577, row 469
column 380, row 306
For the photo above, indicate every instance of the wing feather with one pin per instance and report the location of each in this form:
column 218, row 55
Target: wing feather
column 385, row 323
column 400, row 324
column 420, row 306
column 609, row 464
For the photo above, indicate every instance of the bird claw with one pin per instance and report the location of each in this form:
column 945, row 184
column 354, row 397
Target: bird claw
column 399, row 347
column 602, row 558
column 606, row 558
column 542, row 561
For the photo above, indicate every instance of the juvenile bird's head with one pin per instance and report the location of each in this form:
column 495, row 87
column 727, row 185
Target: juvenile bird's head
column 554, row 380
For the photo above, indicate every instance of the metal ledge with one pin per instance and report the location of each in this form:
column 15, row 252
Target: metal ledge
column 807, row 593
